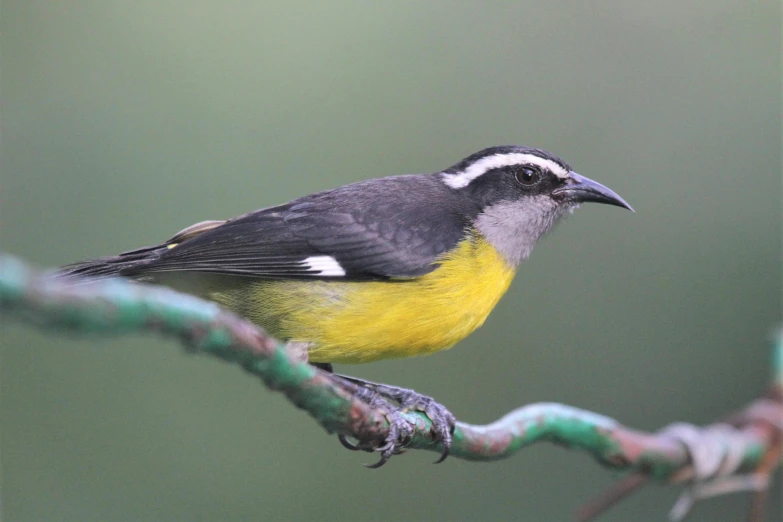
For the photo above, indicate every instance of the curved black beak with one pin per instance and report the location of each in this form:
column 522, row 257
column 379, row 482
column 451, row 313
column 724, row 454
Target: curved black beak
column 579, row 189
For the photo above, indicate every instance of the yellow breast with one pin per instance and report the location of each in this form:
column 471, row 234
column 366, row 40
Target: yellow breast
column 354, row 322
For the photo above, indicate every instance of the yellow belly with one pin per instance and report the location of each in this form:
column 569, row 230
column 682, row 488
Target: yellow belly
column 355, row 322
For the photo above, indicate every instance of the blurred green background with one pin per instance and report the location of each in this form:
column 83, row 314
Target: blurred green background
column 123, row 122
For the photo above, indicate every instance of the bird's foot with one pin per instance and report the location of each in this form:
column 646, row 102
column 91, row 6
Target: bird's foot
column 400, row 430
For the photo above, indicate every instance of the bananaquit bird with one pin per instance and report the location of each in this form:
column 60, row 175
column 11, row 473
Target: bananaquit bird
column 383, row 268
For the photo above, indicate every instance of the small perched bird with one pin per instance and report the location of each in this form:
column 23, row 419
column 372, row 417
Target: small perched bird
column 384, row 268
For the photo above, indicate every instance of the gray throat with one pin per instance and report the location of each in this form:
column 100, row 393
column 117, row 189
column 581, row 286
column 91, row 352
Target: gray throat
column 514, row 227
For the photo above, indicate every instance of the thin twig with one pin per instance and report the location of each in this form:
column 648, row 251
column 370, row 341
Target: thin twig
column 616, row 492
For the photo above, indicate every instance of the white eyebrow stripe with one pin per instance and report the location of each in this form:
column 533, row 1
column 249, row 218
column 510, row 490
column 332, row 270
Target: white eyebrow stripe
column 484, row 165
column 324, row 265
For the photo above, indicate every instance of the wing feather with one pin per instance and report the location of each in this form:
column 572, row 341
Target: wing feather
column 385, row 228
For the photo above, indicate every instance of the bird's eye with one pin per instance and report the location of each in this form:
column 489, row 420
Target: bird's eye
column 528, row 176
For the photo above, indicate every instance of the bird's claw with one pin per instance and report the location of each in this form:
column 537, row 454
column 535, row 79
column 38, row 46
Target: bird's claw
column 347, row 444
column 400, row 435
column 400, row 429
column 443, row 423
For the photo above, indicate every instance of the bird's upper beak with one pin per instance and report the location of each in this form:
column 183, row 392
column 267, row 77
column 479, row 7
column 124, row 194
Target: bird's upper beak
column 580, row 189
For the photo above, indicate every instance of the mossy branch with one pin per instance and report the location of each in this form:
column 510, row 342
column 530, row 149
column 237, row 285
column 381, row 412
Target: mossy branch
column 740, row 452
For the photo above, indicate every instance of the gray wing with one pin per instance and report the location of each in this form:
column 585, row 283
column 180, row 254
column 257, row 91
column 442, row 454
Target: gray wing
column 377, row 229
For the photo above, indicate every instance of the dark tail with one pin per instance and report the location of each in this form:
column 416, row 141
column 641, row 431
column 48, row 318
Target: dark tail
column 131, row 264
column 127, row 264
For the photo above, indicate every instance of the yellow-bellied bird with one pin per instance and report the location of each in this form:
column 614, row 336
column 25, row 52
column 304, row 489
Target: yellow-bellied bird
column 390, row 267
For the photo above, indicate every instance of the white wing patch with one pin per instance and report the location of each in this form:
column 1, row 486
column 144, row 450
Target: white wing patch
column 462, row 179
column 324, row 265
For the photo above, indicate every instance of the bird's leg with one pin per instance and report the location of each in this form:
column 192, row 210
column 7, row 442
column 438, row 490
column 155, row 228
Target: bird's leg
column 378, row 396
column 399, row 430
column 327, row 367
column 443, row 421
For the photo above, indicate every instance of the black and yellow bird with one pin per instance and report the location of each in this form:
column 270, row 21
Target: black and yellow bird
column 384, row 268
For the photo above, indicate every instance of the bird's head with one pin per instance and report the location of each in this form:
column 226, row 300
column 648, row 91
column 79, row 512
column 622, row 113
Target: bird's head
column 521, row 193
